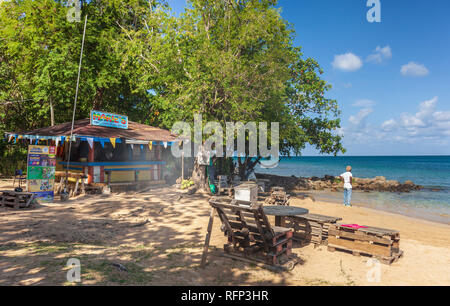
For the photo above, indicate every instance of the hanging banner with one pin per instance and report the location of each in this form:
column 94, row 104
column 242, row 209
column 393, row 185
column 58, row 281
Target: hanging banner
column 109, row 120
column 41, row 167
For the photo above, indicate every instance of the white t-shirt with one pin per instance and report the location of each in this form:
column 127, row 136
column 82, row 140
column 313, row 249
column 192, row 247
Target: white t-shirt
column 347, row 175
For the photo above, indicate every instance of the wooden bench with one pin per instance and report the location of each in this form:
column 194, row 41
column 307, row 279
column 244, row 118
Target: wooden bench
column 310, row 228
column 381, row 243
column 17, row 199
column 250, row 236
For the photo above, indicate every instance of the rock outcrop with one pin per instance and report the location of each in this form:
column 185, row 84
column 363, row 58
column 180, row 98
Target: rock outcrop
column 332, row 183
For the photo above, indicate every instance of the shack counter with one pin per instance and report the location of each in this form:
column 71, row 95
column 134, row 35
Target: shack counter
column 106, row 154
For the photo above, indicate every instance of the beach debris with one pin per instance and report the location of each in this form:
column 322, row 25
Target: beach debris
column 278, row 197
column 120, row 267
column 140, row 223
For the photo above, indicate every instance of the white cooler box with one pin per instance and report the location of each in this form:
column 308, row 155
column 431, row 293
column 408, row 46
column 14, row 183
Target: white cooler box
column 246, row 192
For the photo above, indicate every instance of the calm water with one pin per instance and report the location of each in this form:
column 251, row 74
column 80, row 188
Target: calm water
column 433, row 172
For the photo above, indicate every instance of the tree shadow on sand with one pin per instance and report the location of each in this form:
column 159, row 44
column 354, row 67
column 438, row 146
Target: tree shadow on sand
column 151, row 238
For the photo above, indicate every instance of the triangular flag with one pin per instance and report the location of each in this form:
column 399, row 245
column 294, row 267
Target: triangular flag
column 165, row 144
column 142, row 147
column 10, row 137
column 57, row 141
column 90, row 142
column 132, row 146
column 113, row 142
column 102, row 142
column 150, row 145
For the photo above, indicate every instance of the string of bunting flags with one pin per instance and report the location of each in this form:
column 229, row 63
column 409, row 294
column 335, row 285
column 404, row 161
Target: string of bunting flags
column 34, row 139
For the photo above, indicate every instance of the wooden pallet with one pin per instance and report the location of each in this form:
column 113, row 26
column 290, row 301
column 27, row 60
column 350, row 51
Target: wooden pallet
column 383, row 244
column 250, row 235
column 310, row 228
column 16, row 199
column 383, row 260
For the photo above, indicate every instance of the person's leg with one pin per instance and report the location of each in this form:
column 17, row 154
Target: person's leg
column 345, row 196
column 349, row 197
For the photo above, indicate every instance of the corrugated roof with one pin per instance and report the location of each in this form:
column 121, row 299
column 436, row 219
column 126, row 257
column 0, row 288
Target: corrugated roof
column 83, row 127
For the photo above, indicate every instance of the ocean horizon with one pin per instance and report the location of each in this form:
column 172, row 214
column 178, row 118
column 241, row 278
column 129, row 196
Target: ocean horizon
column 431, row 171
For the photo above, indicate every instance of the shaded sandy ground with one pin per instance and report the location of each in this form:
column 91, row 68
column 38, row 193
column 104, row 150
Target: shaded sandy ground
column 158, row 237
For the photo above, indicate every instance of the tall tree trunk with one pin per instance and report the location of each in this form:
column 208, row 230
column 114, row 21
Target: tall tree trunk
column 52, row 113
column 199, row 176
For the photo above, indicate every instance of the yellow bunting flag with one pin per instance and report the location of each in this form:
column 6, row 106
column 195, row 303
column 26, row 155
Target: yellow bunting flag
column 150, row 144
column 113, row 142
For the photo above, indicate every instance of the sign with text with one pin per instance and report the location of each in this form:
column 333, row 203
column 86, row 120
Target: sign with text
column 41, row 171
column 109, row 120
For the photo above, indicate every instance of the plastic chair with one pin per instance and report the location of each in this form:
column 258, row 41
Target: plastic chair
column 18, row 175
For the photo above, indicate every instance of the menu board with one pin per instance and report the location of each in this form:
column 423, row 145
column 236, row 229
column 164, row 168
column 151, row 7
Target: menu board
column 41, row 171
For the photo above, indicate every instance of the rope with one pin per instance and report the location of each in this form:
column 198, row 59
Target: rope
column 75, row 104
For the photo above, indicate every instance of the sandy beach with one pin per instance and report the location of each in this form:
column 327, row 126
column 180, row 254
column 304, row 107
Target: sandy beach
column 158, row 237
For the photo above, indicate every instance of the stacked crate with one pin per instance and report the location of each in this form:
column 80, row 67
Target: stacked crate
column 278, row 197
column 383, row 244
column 16, row 199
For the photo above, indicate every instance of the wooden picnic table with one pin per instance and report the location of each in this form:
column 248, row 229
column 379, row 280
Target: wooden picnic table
column 280, row 211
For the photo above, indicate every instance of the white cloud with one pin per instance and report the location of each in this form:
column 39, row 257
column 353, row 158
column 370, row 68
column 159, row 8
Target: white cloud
column 359, row 118
column 364, row 103
column 442, row 116
column 389, row 125
column 380, row 55
column 425, row 125
column 414, row 69
column 347, row 62
column 347, row 85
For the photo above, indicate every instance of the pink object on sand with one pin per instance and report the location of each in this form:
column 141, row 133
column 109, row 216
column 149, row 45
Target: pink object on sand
column 355, row 226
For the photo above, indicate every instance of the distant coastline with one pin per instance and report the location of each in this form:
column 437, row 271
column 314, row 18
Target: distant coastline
column 432, row 172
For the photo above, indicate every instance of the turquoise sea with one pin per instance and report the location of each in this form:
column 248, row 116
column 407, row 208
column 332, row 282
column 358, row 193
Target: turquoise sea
column 432, row 172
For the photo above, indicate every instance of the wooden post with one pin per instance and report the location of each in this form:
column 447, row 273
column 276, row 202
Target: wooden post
column 91, row 160
column 208, row 237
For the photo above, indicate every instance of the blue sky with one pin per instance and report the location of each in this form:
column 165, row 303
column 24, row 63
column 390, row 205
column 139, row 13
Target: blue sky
column 391, row 79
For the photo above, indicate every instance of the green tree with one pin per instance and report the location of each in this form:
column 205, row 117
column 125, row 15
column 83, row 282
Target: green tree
column 40, row 54
column 236, row 61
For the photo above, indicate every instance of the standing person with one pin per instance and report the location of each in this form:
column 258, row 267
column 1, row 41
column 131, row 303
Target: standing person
column 347, row 178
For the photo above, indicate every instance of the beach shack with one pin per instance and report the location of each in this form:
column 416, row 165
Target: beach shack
column 106, row 149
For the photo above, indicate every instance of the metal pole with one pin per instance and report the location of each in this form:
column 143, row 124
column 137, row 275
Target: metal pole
column 75, row 104
column 182, row 166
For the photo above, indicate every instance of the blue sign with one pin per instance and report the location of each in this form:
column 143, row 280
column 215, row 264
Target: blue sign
column 109, row 120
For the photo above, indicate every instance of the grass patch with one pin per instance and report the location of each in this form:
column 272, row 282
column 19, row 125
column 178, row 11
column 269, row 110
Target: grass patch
column 105, row 272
